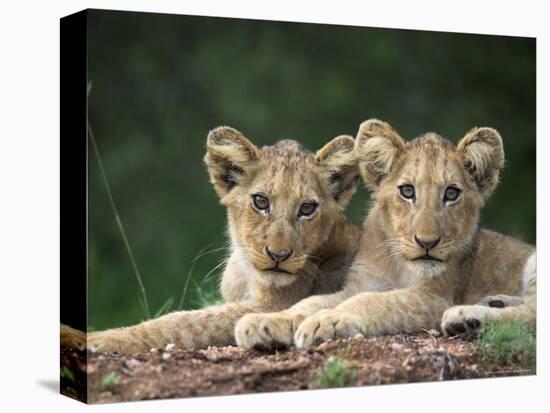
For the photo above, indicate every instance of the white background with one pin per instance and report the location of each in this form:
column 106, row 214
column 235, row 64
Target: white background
column 29, row 203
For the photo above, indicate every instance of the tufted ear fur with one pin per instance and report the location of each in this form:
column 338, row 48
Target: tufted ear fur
column 482, row 155
column 229, row 158
column 377, row 146
column 337, row 164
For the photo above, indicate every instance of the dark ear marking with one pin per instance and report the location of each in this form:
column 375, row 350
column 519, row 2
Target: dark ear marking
column 230, row 178
column 335, row 177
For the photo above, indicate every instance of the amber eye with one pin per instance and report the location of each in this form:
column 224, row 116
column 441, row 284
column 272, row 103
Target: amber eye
column 451, row 194
column 260, row 202
column 407, row 191
column 307, row 209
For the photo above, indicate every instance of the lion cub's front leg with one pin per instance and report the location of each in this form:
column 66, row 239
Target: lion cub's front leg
column 374, row 313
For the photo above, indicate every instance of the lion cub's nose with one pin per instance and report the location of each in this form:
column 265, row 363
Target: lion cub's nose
column 427, row 244
column 278, row 256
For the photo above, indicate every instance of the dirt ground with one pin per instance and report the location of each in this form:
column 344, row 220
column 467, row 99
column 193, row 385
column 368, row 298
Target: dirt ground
column 173, row 372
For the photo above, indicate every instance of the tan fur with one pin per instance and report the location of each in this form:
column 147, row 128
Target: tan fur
column 391, row 291
column 322, row 246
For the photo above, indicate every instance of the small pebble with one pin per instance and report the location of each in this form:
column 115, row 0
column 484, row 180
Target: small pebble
column 358, row 336
column 434, row 332
column 170, row 347
column 133, row 363
column 396, row 346
column 165, row 356
column 126, row 371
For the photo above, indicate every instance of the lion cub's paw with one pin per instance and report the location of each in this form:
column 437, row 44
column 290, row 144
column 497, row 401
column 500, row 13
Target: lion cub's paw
column 265, row 331
column 325, row 325
column 464, row 320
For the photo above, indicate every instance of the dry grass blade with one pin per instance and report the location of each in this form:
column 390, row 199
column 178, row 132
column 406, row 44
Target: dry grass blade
column 118, row 220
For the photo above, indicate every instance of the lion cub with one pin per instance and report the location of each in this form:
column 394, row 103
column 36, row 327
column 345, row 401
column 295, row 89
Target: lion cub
column 289, row 238
column 423, row 261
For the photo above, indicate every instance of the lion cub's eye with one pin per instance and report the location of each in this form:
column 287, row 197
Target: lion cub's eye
column 407, row 191
column 307, row 209
column 451, row 194
column 260, row 202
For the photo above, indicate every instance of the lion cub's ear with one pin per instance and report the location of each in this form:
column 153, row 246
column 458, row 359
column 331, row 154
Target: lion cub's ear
column 377, row 146
column 482, row 155
column 229, row 158
column 337, row 164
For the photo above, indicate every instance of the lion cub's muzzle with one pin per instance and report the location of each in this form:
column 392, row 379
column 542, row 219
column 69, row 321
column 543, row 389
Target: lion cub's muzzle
column 427, row 244
column 277, row 257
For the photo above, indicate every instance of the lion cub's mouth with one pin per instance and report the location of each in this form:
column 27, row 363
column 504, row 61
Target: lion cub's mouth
column 427, row 257
column 278, row 270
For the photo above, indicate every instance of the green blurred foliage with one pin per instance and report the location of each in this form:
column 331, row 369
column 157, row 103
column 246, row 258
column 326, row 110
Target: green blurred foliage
column 161, row 82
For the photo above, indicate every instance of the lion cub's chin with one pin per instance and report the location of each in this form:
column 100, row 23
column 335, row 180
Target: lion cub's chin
column 278, row 280
column 420, row 269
